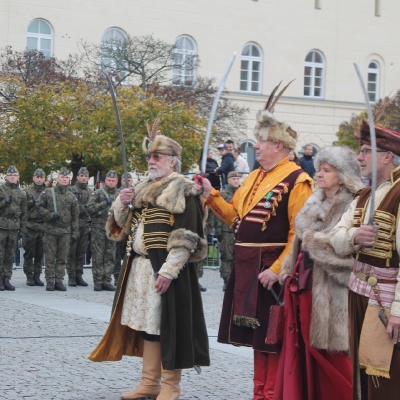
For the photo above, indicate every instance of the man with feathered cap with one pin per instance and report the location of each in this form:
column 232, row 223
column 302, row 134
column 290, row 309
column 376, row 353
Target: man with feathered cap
column 374, row 297
column 60, row 211
column 33, row 255
column 158, row 312
column 13, row 209
column 103, row 249
column 261, row 214
column 77, row 251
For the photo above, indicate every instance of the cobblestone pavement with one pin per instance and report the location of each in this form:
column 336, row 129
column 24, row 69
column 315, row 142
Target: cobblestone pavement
column 45, row 338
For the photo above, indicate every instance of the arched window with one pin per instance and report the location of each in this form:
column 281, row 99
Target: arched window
column 250, row 69
column 39, row 36
column 373, row 81
column 109, row 43
column 185, row 59
column 314, row 75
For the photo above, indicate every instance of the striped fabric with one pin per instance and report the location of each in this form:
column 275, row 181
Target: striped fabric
column 386, row 290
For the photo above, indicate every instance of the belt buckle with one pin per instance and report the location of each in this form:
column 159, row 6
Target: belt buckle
column 362, row 276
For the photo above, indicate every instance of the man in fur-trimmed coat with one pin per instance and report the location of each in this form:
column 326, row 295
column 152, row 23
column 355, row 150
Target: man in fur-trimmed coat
column 158, row 312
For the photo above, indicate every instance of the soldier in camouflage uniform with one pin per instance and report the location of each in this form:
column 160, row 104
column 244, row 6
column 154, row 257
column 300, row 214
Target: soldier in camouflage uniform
column 120, row 247
column 77, row 252
column 33, row 256
column 60, row 211
column 224, row 233
column 13, row 210
column 103, row 249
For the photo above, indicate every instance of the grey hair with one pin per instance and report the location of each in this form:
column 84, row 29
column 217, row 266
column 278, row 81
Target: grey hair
column 396, row 160
column 178, row 163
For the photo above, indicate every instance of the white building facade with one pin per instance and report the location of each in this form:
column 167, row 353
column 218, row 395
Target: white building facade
column 314, row 42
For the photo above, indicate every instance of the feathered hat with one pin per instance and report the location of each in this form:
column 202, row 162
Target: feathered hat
column 162, row 144
column 269, row 128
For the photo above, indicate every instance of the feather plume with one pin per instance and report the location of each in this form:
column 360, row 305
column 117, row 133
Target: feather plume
column 153, row 130
column 279, row 95
column 271, row 97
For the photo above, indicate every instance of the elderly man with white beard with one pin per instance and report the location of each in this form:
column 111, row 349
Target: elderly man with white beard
column 158, row 313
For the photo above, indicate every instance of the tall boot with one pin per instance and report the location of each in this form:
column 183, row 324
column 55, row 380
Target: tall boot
column 151, row 373
column 30, row 281
column 170, row 389
column 260, row 374
column 2, row 288
column 80, row 281
column 269, row 386
column 37, row 280
column 7, row 284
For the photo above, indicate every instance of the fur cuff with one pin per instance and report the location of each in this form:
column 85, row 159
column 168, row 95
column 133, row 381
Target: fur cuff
column 189, row 240
column 114, row 230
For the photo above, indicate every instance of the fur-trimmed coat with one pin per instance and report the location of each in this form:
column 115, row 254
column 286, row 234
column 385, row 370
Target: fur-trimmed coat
column 331, row 272
column 172, row 217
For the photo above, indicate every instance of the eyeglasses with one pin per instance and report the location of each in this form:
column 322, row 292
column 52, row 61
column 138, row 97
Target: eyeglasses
column 368, row 151
column 155, row 156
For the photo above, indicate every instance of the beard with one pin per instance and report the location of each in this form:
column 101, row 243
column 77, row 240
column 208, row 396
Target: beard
column 156, row 173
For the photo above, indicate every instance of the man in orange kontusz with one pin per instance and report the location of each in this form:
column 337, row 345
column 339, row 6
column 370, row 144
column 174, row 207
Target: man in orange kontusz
column 262, row 214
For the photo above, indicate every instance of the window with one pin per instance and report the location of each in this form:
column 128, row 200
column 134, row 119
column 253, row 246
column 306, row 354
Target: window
column 250, row 69
column 39, row 36
column 110, row 41
column 373, row 81
column 314, row 75
column 184, row 58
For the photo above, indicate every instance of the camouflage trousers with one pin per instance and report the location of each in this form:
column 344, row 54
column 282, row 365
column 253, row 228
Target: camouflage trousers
column 56, row 249
column 103, row 255
column 33, row 256
column 226, row 251
column 8, row 244
column 77, row 252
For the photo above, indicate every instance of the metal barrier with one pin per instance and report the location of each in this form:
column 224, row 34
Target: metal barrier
column 212, row 260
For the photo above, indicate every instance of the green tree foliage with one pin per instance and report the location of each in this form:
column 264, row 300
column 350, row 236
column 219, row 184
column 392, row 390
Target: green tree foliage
column 386, row 112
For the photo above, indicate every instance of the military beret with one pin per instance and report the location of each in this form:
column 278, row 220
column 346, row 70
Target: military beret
column 233, row 174
column 39, row 172
column 12, row 170
column 63, row 171
column 111, row 174
column 83, row 171
column 128, row 175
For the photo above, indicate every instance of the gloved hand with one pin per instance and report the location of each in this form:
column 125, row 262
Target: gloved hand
column 109, row 200
column 73, row 239
column 55, row 217
column 8, row 199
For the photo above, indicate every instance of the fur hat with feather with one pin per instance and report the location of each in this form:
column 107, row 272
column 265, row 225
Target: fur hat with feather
column 269, row 128
column 162, row 144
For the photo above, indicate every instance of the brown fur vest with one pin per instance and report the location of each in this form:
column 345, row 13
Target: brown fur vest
column 329, row 322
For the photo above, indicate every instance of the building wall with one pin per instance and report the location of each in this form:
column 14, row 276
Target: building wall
column 343, row 31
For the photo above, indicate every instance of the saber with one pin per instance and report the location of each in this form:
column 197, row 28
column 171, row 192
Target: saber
column 121, row 136
column 373, row 146
column 213, row 111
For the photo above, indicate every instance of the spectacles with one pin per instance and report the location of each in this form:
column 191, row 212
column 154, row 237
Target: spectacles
column 368, row 151
column 155, row 156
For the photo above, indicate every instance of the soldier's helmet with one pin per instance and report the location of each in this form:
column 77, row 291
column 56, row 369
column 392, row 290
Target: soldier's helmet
column 63, row 171
column 12, row 170
column 40, row 173
column 111, row 174
column 83, row 171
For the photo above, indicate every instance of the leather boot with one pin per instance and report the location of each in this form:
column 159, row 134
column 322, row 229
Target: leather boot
column 170, row 389
column 30, row 281
column 151, row 373
column 269, row 386
column 60, row 286
column 80, row 281
column 50, row 286
column 7, row 285
column 108, row 287
column 72, row 281
column 97, row 287
column 2, row 289
column 260, row 374
column 37, row 280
